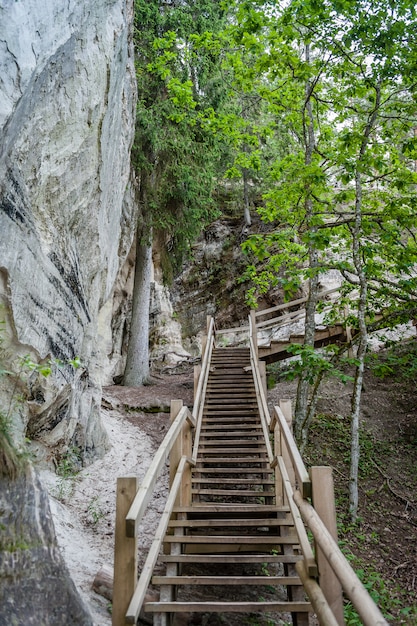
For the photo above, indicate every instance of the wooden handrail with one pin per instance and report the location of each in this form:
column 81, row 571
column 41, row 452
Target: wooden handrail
column 201, row 388
column 305, row 546
column 260, row 396
column 316, row 596
column 283, row 320
column 235, row 329
column 144, row 493
column 301, row 473
column 287, row 305
column 138, row 597
column 352, row 586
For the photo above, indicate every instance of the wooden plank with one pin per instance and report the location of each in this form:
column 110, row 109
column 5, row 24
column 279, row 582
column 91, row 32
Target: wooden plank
column 213, row 446
column 249, row 450
column 244, row 459
column 243, row 493
column 282, row 320
column 228, row 558
column 241, row 523
column 218, row 430
column 232, row 508
column 226, row 607
column 226, row 580
column 233, row 470
column 125, row 552
column 231, row 539
column 234, row 481
column 286, row 408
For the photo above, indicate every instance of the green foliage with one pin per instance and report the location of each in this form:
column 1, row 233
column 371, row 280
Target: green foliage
column 67, row 469
column 14, row 458
column 398, row 361
column 331, row 446
column 312, row 363
column 94, row 511
column 363, row 125
column 28, row 365
column 175, row 151
column 377, row 589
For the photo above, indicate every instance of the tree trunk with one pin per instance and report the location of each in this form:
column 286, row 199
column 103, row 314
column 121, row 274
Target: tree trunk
column 362, row 347
column 303, row 388
column 363, row 297
column 137, row 363
column 246, row 209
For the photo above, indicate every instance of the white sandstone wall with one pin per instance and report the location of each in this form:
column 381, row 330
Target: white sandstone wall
column 67, row 111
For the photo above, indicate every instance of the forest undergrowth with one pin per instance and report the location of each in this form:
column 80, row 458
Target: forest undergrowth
column 382, row 545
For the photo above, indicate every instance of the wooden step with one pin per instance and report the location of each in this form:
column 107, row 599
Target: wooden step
column 212, row 432
column 230, row 470
column 251, row 540
column 254, row 509
column 244, row 493
column 230, row 422
column 249, row 448
column 249, row 416
column 233, row 481
column 226, row 580
column 262, row 522
column 232, row 442
column 234, row 461
column 242, row 413
column 244, row 387
column 231, row 558
column 226, row 607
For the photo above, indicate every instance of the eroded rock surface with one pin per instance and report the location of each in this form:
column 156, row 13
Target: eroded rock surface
column 67, row 106
column 35, row 589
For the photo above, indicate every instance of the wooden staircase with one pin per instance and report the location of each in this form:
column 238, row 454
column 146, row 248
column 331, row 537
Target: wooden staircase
column 231, row 546
column 234, row 548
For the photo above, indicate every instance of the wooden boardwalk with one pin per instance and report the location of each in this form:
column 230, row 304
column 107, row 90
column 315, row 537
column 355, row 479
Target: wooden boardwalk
column 232, row 537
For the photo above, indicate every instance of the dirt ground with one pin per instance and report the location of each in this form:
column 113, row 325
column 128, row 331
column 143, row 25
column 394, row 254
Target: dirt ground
column 383, row 544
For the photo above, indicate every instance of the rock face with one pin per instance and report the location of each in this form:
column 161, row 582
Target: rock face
column 67, row 110
column 209, row 284
column 35, row 589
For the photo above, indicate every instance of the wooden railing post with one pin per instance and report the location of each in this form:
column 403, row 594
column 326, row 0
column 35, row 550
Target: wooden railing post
column 204, row 337
column 262, row 371
column 176, row 451
column 125, row 552
column 254, row 333
column 324, row 504
column 285, row 406
column 279, row 484
column 197, row 372
column 182, row 447
column 187, row 450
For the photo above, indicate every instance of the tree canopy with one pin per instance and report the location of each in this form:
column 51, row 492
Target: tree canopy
column 314, row 103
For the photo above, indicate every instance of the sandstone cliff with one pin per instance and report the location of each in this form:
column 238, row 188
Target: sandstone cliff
column 67, row 217
column 67, row 106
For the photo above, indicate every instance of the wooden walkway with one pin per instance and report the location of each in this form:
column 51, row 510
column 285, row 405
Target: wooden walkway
column 231, row 538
